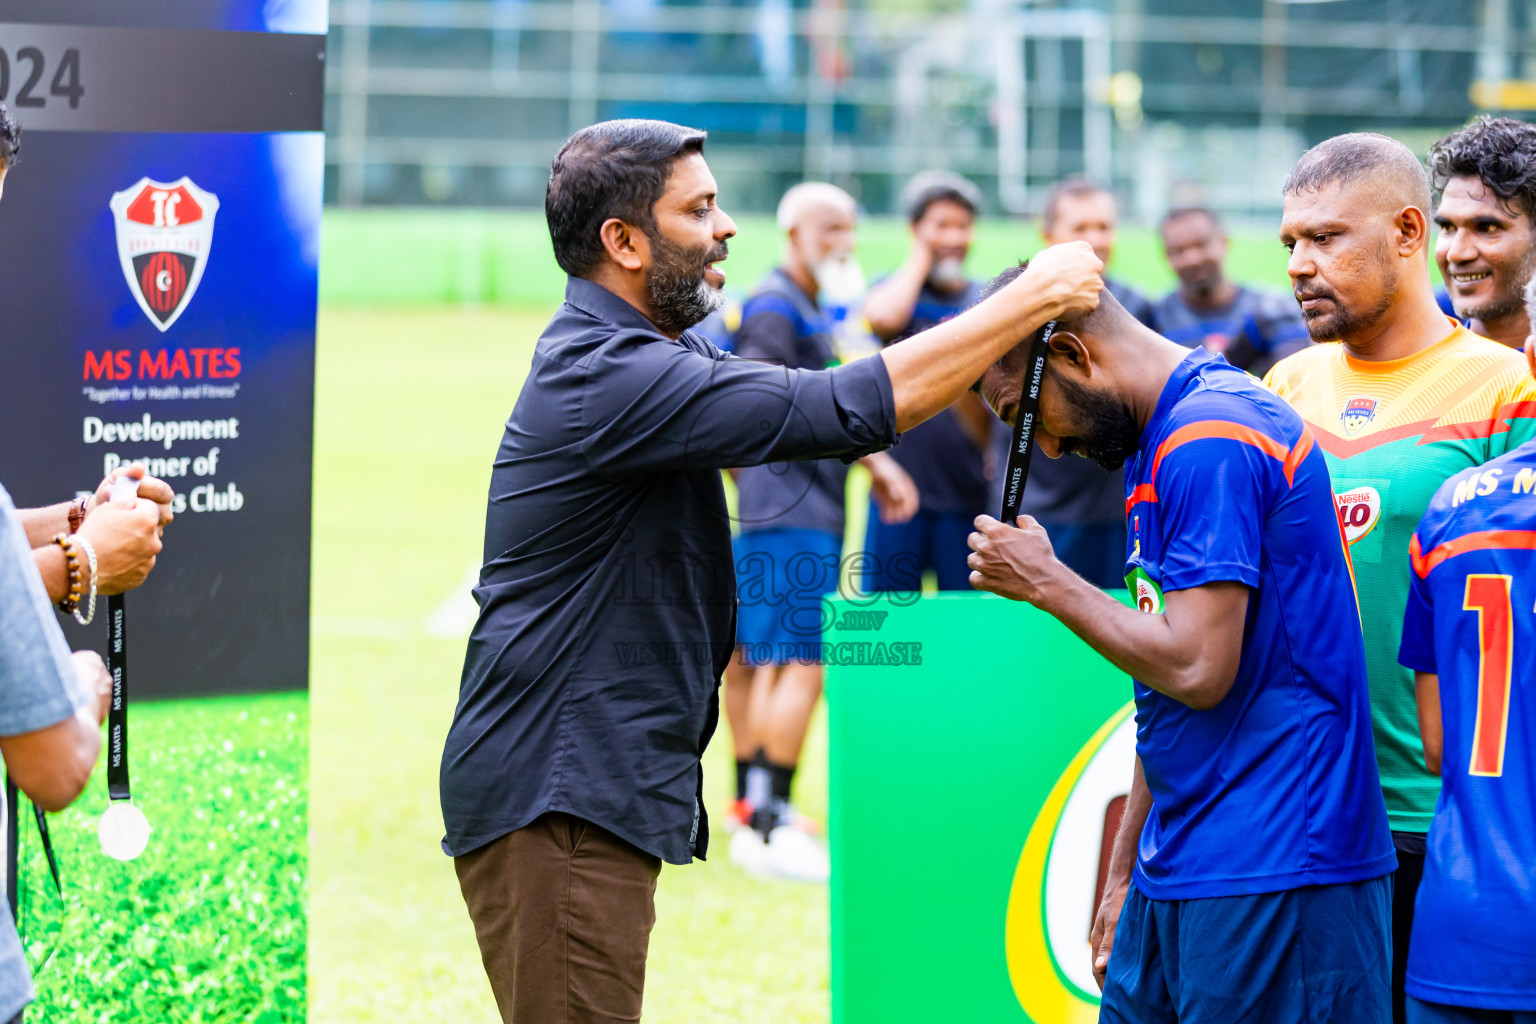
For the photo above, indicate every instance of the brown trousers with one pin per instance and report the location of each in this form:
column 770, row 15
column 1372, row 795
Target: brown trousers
column 563, row 911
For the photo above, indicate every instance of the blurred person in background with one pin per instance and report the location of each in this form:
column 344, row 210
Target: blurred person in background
column 1485, row 175
column 1079, row 502
column 790, row 546
column 1254, row 329
column 1399, row 397
column 946, row 455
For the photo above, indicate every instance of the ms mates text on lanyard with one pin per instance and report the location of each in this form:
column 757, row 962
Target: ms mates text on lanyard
column 123, row 831
column 1024, row 424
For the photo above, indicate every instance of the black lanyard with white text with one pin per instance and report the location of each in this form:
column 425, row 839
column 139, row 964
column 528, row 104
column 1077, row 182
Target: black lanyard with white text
column 123, row 830
column 1024, row 424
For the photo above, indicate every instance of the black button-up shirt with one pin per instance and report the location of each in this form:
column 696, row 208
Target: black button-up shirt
column 608, row 595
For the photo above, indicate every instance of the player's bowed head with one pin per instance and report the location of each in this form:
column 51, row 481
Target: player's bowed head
column 1104, row 374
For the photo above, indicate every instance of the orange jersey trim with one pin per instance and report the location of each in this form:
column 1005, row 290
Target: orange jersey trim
column 1483, row 540
column 1290, row 458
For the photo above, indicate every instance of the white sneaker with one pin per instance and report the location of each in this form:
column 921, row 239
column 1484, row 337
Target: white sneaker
column 747, row 848
column 792, row 855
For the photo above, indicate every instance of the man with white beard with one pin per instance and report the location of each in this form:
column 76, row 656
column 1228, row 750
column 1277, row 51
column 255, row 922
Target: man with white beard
column 790, row 544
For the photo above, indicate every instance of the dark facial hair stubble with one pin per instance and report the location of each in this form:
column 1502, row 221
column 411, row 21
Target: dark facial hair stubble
column 680, row 297
column 1112, row 435
column 1344, row 321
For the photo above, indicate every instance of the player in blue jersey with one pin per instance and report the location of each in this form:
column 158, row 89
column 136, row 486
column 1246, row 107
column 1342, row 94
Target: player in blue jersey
column 1470, row 636
column 1252, row 327
column 1250, row 880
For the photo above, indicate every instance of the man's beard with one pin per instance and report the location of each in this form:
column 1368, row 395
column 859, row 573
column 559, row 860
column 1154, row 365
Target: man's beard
column 1112, row 436
column 1506, row 302
column 1344, row 322
column 679, row 295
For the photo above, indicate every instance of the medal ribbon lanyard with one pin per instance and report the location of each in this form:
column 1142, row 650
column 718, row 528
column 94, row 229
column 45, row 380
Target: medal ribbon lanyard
column 123, row 831
column 117, row 718
column 1024, row 424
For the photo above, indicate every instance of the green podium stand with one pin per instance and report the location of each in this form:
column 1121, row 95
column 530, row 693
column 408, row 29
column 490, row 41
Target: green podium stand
column 979, row 755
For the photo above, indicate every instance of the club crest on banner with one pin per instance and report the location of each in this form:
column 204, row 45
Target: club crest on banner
column 1358, row 412
column 164, row 234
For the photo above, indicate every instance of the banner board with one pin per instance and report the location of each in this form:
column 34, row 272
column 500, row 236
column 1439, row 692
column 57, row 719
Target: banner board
column 980, row 755
column 159, row 243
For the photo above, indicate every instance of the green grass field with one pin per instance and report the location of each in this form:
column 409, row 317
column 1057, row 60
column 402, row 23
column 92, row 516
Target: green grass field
column 411, row 403
column 208, row 925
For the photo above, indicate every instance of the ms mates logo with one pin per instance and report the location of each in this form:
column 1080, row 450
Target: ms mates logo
column 164, row 233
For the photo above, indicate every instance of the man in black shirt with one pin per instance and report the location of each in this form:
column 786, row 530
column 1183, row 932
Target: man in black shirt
column 608, row 594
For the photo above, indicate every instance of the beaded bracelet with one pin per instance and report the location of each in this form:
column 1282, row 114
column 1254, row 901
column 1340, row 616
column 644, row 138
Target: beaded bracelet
column 71, row 600
column 90, row 558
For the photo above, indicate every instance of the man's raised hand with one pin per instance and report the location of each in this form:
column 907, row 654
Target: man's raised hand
column 1068, row 277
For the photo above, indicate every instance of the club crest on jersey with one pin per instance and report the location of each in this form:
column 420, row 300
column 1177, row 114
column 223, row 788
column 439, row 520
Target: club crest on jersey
column 164, row 233
column 1358, row 412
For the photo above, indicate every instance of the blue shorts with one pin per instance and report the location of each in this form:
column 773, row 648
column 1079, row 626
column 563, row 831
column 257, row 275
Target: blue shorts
column 900, row 552
column 782, row 574
column 1420, row 1012
column 1316, row 955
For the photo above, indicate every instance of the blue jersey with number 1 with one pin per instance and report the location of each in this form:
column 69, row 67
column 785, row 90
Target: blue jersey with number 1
column 1472, row 619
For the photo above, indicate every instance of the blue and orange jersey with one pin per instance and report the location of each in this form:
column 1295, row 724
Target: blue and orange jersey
column 1471, row 619
column 1275, row 787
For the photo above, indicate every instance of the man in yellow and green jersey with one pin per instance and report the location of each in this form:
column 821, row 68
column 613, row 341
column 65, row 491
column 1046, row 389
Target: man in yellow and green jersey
column 1402, row 399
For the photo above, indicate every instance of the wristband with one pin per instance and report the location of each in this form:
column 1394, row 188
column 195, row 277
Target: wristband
column 76, row 515
column 90, row 558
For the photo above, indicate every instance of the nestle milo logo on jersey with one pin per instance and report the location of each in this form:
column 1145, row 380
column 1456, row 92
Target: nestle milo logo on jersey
column 1145, row 591
column 1359, row 511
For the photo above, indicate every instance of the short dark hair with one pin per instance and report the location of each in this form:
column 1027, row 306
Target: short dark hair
column 1498, row 151
column 931, row 187
column 1063, row 189
column 610, row 169
column 1180, row 212
column 10, row 138
column 1108, row 311
column 1345, row 159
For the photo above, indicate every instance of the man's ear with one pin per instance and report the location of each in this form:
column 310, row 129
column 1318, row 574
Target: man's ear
column 1412, row 230
column 626, row 245
column 1530, row 352
column 1069, row 347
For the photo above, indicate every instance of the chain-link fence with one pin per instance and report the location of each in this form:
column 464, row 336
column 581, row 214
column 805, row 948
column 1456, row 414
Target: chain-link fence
column 1174, row 101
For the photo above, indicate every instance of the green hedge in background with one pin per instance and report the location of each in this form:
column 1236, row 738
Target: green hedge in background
column 499, row 257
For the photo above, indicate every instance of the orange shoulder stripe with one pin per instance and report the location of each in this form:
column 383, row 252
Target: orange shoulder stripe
column 1290, row 458
column 1142, row 492
column 1483, row 540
